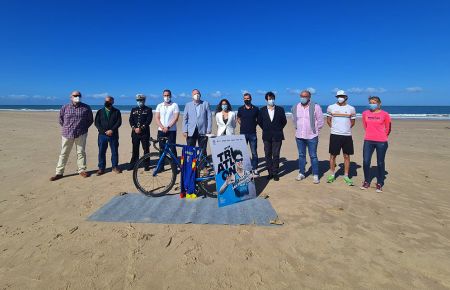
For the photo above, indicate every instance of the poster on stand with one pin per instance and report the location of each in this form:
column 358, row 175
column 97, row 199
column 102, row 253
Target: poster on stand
column 234, row 177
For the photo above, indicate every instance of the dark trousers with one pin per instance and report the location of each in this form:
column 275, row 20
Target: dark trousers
column 138, row 139
column 368, row 148
column 272, row 152
column 103, row 142
column 171, row 138
column 202, row 141
column 252, row 140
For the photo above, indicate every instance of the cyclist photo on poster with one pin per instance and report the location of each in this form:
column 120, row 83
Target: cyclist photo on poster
column 238, row 181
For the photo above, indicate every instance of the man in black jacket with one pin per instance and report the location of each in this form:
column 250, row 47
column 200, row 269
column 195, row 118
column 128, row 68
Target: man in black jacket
column 108, row 120
column 272, row 120
column 140, row 119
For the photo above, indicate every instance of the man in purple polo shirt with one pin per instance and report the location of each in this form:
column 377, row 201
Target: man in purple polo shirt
column 308, row 121
column 75, row 119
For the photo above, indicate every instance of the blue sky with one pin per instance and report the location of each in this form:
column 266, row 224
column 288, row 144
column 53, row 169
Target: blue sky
column 399, row 50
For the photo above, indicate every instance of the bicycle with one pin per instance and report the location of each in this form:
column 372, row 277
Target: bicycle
column 156, row 175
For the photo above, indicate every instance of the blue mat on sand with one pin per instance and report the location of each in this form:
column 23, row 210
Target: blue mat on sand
column 171, row 209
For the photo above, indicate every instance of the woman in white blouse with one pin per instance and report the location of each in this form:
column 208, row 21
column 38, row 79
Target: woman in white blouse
column 225, row 118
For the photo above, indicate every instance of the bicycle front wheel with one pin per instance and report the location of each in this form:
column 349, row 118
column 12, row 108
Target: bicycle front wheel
column 206, row 178
column 152, row 184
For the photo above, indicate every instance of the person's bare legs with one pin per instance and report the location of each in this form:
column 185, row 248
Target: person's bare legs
column 346, row 164
column 347, row 179
column 331, row 177
column 332, row 164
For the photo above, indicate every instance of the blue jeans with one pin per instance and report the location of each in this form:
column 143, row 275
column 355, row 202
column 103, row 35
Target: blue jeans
column 103, row 141
column 253, row 141
column 312, row 148
column 368, row 148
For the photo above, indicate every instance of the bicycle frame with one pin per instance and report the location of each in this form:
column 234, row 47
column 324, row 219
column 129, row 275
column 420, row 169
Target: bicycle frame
column 169, row 152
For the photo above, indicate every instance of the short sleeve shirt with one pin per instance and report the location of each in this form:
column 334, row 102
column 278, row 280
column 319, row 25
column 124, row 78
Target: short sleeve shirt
column 341, row 119
column 166, row 113
column 248, row 119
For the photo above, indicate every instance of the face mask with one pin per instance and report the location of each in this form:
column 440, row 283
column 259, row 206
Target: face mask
column 108, row 105
column 340, row 100
column 373, row 107
column 167, row 99
column 140, row 103
column 196, row 97
column 225, row 108
column 271, row 103
column 304, row 101
column 248, row 102
column 76, row 100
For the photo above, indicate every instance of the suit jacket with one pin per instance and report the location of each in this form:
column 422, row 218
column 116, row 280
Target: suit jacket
column 229, row 127
column 272, row 130
column 104, row 124
column 190, row 120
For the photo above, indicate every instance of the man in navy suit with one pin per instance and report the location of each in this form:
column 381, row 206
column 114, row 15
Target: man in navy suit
column 272, row 120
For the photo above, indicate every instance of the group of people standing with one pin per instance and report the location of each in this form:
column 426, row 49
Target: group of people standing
column 76, row 117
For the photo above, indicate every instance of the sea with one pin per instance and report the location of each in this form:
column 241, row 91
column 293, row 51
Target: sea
column 396, row 112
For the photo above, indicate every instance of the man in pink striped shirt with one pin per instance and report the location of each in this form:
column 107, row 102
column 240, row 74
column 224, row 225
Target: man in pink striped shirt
column 308, row 121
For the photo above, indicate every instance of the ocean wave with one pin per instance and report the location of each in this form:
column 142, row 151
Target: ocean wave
column 30, row 110
column 288, row 114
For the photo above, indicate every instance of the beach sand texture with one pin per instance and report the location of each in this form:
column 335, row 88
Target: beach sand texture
column 333, row 237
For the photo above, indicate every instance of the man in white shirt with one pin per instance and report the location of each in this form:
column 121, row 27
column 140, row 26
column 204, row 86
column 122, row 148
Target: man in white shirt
column 341, row 118
column 166, row 116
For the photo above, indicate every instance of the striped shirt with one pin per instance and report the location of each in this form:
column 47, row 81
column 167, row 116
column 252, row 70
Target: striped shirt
column 341, row 119
column 75, row 120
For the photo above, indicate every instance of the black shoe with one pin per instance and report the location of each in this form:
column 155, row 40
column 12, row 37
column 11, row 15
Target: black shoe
column 130, row 166
column 147, row 168
column 276, row 178
column 269, row 177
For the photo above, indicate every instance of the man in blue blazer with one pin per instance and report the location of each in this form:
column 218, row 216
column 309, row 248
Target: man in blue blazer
column 272, row 119
column 197, row 121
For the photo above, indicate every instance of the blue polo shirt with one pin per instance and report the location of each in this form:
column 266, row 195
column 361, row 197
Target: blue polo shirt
column 248, row 118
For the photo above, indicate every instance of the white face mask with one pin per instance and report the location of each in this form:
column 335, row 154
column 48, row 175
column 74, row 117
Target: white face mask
column 167, row 99
column 271, row 103
column 196, row 97
column 340, row 100
column 76, row 100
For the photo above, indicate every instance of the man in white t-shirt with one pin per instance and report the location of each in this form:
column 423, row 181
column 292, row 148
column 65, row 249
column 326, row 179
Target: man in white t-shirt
column 341, row 118
column 166, row 116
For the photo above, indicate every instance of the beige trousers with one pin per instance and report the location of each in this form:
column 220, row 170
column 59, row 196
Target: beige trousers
column 66, row 147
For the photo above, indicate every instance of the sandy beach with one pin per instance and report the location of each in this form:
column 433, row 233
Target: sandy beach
column 333, row 237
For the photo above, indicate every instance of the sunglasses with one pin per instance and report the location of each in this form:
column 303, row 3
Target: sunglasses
column 76, row 95
column 238, row 160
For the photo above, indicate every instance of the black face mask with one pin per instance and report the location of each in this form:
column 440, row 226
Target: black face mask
column 248, row 102
column 108, row 105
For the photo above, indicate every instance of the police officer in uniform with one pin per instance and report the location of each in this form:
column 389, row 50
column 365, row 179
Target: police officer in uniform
column 140, row 119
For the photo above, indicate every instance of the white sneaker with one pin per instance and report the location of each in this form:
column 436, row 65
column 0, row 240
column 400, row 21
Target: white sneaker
column 255, row 172
column 300, row 177
column 316, row 179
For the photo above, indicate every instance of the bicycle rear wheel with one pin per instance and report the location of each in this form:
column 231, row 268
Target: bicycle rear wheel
column 159, row 184
column 206, row 178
